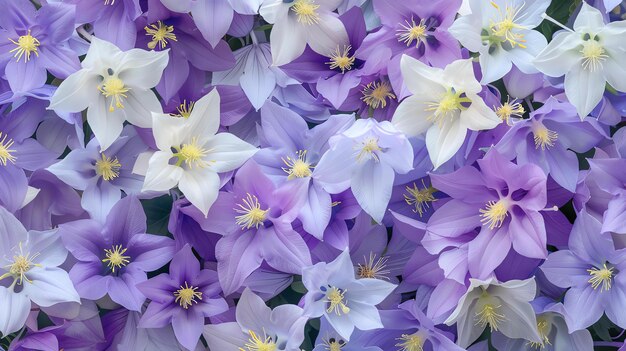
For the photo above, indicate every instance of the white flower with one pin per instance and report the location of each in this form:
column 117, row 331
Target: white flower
column 444, row 104
column 301, row 22
column 501, row 31
column 199, row 153
column 589, row 56
column 504, row 307
column 29, row 268
column 115, row 87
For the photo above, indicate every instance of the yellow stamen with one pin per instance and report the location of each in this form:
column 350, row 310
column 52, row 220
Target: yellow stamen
column 601, row 276
column 508, row 110
column 489, row 315
column 373, row 268
column 543, row 327
column 503, row 29
column 333, row 344
column 160, row 34
column 420, row 198
column 184, row 109
column 298, row 167
column 449, row 103
column 108, row 168
column 192, row 154
column 335, row 298
column 367, row 149
column 22, row 263
column 255, row 343
column 375, row 94
column 114, row 87
column 187, row 295
column 306, row 10
column 494, row 214
column 251, row 213
column 26, row 44
column 411, row 342
column 411, row 31
column 6, row 153
column 544, row 137
column 115, row 257
column 341, row 59
column 593, row 54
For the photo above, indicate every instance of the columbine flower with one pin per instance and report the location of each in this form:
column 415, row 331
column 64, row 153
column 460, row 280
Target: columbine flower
column 115, row 255
column 593, row 270
column 29, row 272
column 589, row 56
column 504, row 307
column 199, row 154
column 444, row 104
column 301, row 22
column 344, row 301
column 183, row 297
column 365, row 158
column 115, row 87
column 258, row 327
column 501, row 31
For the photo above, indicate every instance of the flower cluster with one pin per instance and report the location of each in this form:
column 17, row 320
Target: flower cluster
column 319, row 175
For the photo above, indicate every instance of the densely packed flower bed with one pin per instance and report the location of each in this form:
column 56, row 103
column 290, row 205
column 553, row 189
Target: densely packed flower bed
column 327, row 175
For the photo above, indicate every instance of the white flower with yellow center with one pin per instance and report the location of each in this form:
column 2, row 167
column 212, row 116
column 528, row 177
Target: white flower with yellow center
column 191, row 154
column 301, row 22
column 114, row 86
column 444, row 105
column 590, row 55
column 501, row 31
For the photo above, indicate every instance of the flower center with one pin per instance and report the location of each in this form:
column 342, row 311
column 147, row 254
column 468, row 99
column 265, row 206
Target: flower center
column 306, row 11
column 6, row 153
column 367, row 149
column 114, row 88
column 373, row 267
column 251, row 214
column 337, row 303
column 341, row 59
column 509, row 109
column 543, row 327
column 255, row 343
column 495, row 213
column 333, row 344
column 411, row 31
column 375, row 94
column 420, row 198
column 184, row 109
column 444, row 109
column 187, row 295
column 411, row 342
column 593, row 55
column 160, row 34
column 544, row 137
column 115, row 257
column 298, row 167
column 109, row 2
column 22, row 263
column 108, row 168
column 601, row 276
column 26, row 44
column 503, row 29
column 488, row 314
column 192, row 154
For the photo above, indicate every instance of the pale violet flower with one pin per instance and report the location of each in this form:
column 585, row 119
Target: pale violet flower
column 501, row 32
column 114, row 86
column 300, row 22
column 505, row 307
column 444, row 104
column 345, row 301
column 200, row 154
column 366, row 158
column 29, row 272
column 589, row 56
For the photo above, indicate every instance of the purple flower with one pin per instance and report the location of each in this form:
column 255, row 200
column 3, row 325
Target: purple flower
column 32, row 41
column 258, row 327
column 503, row 200
column 113, row 257
column 593, row 270
column 182, row 297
